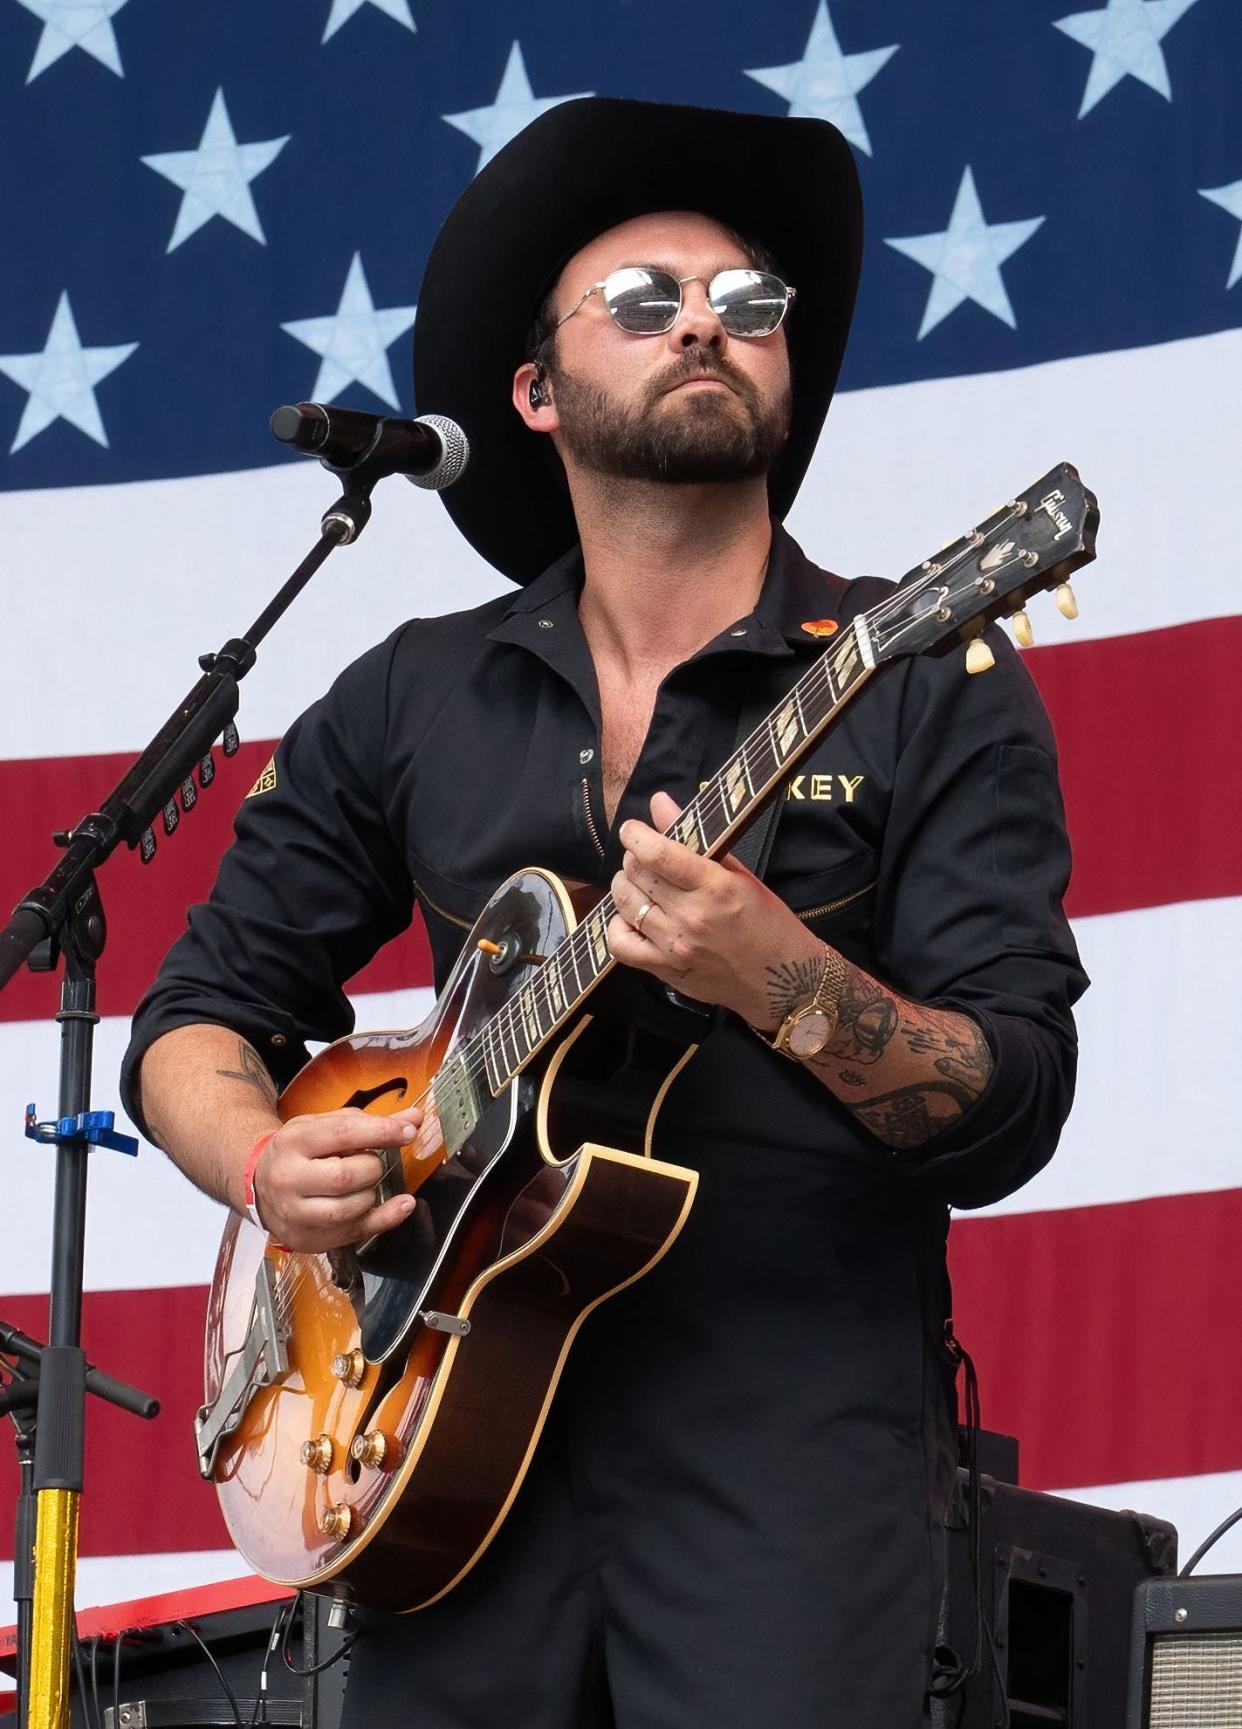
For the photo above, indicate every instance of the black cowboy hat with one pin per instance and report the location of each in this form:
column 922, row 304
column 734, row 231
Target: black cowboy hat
column 579, row 169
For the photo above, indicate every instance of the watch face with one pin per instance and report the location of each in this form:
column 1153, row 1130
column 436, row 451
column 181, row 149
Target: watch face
column 809, row 1033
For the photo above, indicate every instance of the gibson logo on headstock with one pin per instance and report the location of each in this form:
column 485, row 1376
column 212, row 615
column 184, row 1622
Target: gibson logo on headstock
column 1050, row 504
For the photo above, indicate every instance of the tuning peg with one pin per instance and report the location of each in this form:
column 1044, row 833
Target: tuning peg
column 171, row 816
column 207, row 770
column 979, row 656
column 147, row 847
column 1065, row 601
column 1022, row 629
column 230, row 743
column 189, row 794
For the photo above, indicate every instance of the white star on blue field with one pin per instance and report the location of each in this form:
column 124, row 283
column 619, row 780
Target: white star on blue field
column 67, row 24
column 1229, row 198
column 1124, row 39
column 343, row 10
column 216, row 177
column 353, row 341
column 62, row 379
column 515, row 106
column 825, row 83
column 965, row 258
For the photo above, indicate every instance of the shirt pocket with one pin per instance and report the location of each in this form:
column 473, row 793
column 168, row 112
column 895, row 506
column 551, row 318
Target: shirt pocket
column 836, row 903
column 449, row 909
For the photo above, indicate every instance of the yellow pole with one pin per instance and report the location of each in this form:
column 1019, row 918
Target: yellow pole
column 56, row 1559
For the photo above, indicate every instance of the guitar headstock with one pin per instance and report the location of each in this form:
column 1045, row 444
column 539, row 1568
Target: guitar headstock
column 1033, row 543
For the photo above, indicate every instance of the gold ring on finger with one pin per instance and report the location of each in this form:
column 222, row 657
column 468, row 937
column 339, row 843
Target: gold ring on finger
column 640, row 915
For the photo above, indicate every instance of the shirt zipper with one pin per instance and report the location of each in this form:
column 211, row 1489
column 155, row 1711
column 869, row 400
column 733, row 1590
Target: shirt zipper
column 590, row 819
column 450, row 918
column 819, row 912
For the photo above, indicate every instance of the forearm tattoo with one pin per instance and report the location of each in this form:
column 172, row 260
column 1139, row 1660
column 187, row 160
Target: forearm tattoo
column 251, row 1073
column 790, row 983
column 866, row 1020
column 953, row 1053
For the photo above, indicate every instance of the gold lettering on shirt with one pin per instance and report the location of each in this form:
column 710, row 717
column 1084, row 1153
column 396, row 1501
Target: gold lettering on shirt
column 817, row 788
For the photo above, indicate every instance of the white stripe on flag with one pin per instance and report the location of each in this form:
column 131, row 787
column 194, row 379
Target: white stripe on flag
column 1130, row 1136
column 1148, row 1117
column 104, row 1579
column 175, row 566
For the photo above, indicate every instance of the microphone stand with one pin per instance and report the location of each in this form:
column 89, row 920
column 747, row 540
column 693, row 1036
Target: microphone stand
column 63, row 917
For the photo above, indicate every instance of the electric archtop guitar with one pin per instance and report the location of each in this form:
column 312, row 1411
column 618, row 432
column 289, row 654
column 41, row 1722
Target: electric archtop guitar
column 370, row 1414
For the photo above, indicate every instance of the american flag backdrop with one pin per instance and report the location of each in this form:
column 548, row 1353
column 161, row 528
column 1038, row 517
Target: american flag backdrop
column 210, row 209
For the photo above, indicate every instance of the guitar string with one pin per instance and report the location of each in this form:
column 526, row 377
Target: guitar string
column 713, row 802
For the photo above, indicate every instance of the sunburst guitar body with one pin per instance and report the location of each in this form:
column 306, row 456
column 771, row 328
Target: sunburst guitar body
column 371, row 1414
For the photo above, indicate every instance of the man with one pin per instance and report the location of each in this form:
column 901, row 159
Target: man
column 735, row 1511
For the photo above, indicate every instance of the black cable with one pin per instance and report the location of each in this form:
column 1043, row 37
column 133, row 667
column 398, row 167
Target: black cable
column 259, row 1714
column 951, row 1679
column 83, row 1695
column 116, row 1680
column 95, row 1644
column 1201, row 1551
column 346, row 1646
column 220, row 1675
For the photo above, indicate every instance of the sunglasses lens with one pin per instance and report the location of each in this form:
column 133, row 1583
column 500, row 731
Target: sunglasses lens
column 644, row 302
column 749, row 302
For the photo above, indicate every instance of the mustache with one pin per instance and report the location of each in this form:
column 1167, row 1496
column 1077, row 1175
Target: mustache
column 702, row 362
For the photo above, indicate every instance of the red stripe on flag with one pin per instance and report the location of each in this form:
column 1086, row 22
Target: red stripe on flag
column 1149, row 729
column 145, row 904
column 1102, row 1336
column 143, row 1493
column 1149, row 815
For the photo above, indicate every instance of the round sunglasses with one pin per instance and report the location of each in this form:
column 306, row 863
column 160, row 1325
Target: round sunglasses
column 646, row 302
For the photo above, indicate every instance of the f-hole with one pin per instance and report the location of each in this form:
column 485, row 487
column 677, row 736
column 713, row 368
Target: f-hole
column 367, row 1096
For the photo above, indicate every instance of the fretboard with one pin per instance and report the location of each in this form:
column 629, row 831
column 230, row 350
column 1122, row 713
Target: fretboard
column 486, row 1062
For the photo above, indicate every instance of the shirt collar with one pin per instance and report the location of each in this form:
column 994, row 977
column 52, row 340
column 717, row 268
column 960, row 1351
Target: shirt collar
column 543, row 617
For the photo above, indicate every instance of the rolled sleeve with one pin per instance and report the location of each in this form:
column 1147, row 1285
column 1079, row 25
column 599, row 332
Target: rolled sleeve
column 975, row 865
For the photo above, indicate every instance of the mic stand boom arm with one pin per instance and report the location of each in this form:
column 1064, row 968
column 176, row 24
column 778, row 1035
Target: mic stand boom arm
column 63, row 916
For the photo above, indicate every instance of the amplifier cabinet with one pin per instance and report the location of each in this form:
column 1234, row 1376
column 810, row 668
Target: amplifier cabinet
column 1059, row 1582
column 1186, row 1654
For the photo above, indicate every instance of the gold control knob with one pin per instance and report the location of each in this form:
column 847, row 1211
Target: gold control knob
column 1022, row 630
column 979, row 656
column 336, row 1521
column 349, row 1367
column 373, row 1448
column 1066, row 602
column 317, row 1454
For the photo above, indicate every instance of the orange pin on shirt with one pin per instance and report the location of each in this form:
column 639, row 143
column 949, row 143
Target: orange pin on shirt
column 821, row 627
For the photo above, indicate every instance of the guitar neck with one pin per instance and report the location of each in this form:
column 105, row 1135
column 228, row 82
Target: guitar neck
column 498, row 1051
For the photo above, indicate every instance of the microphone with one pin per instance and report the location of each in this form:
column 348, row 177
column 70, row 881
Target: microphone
column 431, row 451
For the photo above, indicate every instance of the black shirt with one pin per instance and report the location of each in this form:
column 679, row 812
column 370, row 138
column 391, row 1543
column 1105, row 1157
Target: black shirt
column 923, row 837
column 764, row 1423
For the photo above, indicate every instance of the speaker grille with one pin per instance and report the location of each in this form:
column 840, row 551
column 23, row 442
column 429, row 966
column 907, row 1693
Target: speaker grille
column 1196, row 1681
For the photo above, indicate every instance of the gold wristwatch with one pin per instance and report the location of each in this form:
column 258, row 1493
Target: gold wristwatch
column 806, row 1030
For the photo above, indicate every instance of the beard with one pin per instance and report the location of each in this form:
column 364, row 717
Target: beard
column 683, row 439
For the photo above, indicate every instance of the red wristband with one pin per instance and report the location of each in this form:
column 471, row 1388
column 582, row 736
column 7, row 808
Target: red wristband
column 256, row 1153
